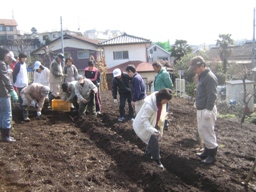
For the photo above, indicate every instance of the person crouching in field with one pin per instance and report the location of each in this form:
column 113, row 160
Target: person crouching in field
column 149, row 122
column 34, row 95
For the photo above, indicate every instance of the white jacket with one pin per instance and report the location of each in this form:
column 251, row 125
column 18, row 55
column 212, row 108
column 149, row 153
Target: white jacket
column 145, row 121
column 43, row 77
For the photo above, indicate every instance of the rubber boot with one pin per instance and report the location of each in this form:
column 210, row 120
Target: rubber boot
column 211, row 156
column 6, row 135
column 25, row 113
column 51, row 97
column 204, row 154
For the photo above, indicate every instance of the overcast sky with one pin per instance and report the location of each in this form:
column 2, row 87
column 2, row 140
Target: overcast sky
column 197, row 21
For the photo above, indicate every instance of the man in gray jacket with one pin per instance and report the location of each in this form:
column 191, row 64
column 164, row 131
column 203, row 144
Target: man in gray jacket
column 56, row 77
column 85, row 92
column 206, row 94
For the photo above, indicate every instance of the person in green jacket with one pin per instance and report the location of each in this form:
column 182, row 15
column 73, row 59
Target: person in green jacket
column 162, row 79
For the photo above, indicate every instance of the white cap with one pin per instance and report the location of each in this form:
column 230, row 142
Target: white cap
column 117, row 72
column 37, row 65
column 11, row 55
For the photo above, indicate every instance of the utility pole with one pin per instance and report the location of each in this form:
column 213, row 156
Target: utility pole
column 253, row 41
column 62, row 41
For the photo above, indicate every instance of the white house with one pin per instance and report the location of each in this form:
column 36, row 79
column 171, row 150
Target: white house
column 235, row 91
column 155, row 52
column 124, row 48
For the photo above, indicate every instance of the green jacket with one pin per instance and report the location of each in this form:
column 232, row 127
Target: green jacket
column 162, row 80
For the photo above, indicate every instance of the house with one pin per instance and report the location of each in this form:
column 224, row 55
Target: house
column 145, row 69
column 78, row 47
column 102, row 35
column 155, row 52
column 8, row 30
column 124, row 48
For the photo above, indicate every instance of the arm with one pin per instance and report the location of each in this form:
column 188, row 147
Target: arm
column 78, row 94
column 5, row 78
column 211, row 91
column 40, row 104
column 75, row 71
column 54, row 69
column 135, row 88
column 73, row 93
column 93, row 87
column 168, row 81
column 27, row 90
column 114, row 89
column 146, row 114
column 15, row 72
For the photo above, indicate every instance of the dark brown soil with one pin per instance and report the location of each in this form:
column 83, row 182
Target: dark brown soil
column 57, row 152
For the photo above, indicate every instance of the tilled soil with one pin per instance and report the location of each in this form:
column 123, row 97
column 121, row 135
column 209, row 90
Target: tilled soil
column 58, row 152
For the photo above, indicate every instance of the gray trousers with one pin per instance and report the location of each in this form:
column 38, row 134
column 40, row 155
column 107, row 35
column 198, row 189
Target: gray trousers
column 153, row 147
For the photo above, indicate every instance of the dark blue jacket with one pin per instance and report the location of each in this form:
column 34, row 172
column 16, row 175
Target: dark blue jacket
column 138, row 88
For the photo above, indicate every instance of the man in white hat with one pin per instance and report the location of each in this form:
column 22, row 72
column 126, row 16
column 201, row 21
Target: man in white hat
column 41, row 74
column 121, row 83
column 85, row 92
column 33, row 95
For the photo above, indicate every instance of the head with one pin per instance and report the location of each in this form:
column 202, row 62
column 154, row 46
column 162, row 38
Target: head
column 157, row 66
column 22, row 57
column 38, row 66
column 69, row 61
column 45, row 91
column 65, row 87
column 90, row 65
column 131, row 70
column 60, row 57
column 80, row 79
column 11, row 55
column 163, row 96
column 4, row 55
column 197, row 65
column 117, row 73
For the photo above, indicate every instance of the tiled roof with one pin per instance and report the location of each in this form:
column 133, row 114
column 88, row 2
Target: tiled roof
column 8, row 22
column 243, row 52
column 88, row 40
column 139, row 65
column 124, row 39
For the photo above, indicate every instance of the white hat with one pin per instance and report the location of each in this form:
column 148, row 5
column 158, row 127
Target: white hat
column 117, row 72
column 37, row 65
column 11, row 55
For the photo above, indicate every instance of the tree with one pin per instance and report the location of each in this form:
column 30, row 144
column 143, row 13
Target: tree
column 225, row 51
column 179, row 49
column 165, row 45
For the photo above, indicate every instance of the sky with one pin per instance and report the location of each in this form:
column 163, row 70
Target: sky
column 196, row 21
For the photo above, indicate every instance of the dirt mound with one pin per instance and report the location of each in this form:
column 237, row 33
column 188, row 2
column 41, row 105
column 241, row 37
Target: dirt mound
column 58, row 152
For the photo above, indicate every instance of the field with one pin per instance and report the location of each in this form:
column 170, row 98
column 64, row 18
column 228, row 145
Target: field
column 58, row 152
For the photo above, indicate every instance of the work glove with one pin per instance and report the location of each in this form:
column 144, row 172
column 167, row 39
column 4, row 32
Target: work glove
column 38, row 113
column 33, row 103
column 115, row 100
column 14, row 95
column 156, row 133
column 98, row 84
column 207, row 115
column 9, row 71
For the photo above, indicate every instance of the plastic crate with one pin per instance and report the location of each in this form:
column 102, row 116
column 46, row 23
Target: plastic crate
column 60, row 105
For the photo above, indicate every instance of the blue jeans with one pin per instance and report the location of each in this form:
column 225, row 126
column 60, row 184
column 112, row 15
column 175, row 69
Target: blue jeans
column 5, row 112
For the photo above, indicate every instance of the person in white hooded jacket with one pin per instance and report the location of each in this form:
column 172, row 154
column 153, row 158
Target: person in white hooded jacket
column 149, row 122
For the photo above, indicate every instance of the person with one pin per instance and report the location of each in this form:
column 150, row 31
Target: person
column 56, row 77
column 33, row 95
column 138, row 88
column 20, row 75
column 206, row 94
column 12, row 65
column 162, row 80
column 85, row 90
column 70, row 70
column 41, row 74
column 148, row 123
column 121, row 83
column 6, row 89
column 93, row 74
column 70, row 93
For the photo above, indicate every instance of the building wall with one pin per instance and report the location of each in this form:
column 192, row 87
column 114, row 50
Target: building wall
column 157, row 54
column 136, row 52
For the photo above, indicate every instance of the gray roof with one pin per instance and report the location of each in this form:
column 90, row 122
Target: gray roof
column 125, row 39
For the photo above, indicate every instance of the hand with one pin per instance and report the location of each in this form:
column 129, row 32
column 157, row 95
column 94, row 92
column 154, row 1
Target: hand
column 133, row 103
column 38, row 113
column 85, row 100
column 98, row 84
column 64, row 75
column 115, row 100
column 207, row 115
column 14, row 95
column 33, row 103
column 156, row 133
column 9, row 71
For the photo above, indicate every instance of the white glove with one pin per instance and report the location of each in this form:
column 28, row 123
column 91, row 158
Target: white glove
column 207, row 115
column 9, row 71
column 115, row 100
column 38, row 113
column 156, row 133
column 33, row 103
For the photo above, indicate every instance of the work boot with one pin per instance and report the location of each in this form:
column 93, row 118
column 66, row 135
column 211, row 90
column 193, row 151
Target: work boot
column 211, row 156
column 159, row 164
column 25, row 113
column 6, row 135
column 204, row 154
column 166, row 124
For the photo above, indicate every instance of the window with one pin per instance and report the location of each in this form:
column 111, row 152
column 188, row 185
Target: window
column 151, row 51
column 120, row 55
column 9, row 28
column 83, row 54
column 10, row 37
column 2, row 37
column 154, row 48
column 45, row 37
column 55, row 35
column 163, row 58
column 2, row 28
